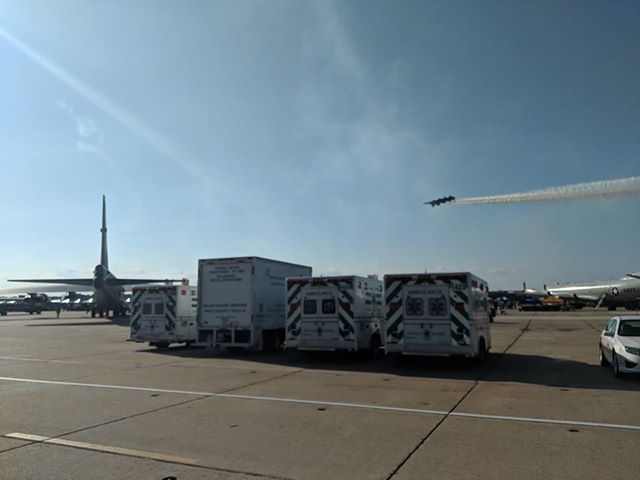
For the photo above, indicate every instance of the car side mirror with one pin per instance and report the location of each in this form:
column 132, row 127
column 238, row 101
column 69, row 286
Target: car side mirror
column 608, row 334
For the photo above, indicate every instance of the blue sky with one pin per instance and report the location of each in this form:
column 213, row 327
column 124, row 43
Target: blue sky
column 313, row 131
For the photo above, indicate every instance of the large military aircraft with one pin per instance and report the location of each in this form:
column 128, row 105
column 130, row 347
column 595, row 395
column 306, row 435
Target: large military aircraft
column 624, row 292
column 108, row 290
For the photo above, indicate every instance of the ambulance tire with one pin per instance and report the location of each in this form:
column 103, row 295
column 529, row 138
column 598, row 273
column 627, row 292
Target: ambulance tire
column 374, row 347
column 160, row 345
column 481, row 356
column 93, row 313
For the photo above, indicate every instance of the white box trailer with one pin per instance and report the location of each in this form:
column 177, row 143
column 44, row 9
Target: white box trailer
column 164, row 315
column 334, row 313
column 439, row 314
column 242, row 301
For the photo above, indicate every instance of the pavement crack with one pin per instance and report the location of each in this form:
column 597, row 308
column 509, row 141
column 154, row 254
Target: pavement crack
column 115, row 420
column 515, row 340
column 591, row 326
column 108, row 422
column 259, row 382
column 458, row 403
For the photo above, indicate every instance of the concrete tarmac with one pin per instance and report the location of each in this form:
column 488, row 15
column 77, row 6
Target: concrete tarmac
column 77, row 401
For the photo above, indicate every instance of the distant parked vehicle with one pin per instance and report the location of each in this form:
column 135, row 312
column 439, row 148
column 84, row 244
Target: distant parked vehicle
column 32, row 303
column 620, row 345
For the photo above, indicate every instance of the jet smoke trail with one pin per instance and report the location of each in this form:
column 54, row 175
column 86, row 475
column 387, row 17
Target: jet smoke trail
column 622, row 187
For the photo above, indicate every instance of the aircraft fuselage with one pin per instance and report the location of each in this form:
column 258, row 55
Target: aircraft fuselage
column 108, row 295
column 622, row 292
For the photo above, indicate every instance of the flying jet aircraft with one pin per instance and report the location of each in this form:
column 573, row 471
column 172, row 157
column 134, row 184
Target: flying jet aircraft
column 624, row 292
column 440, row 201
column 108, row 290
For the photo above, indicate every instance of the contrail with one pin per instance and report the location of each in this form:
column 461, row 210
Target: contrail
column 623, row 187
column 148, row 135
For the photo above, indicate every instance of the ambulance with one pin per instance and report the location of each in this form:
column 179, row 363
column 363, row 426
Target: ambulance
column 162, row 315
column 334, row 313
column 438, row 314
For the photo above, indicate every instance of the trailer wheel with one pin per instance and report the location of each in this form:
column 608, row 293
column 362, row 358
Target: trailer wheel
column 271, row 341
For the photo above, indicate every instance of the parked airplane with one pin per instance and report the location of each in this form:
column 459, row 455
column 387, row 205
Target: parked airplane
column 108, row 290
column 624, row 292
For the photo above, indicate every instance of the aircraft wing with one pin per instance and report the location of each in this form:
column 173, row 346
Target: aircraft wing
column 588, row 298
column 85, row 282
column 575, row 296
column 138, row 281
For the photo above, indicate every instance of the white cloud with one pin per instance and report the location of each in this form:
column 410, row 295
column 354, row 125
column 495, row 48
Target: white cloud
column 90, row 136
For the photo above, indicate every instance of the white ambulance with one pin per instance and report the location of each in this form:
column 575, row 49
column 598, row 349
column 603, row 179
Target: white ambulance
column 334, row 313
column 164, row 315
column 439, row 314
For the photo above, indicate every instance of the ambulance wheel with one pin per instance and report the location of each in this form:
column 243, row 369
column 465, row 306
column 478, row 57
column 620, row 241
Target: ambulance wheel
column 481, row 356
column 374, row 347
column 160, row 345
column 93, row 313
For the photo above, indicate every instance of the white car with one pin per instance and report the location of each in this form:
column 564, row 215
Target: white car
column 620, row 345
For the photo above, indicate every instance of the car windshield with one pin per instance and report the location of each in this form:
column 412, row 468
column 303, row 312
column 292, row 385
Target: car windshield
column 629, row 328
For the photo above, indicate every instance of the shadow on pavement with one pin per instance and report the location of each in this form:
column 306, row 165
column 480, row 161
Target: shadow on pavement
column 507, row 367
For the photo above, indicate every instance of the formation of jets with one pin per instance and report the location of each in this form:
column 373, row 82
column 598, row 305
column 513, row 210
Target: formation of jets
column 440, row 201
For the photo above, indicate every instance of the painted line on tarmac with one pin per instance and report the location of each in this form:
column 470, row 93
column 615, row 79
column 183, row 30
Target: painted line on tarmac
column 364, row 406
column 44, row 360
column 112, row 387
column 547, row 421
column 103, row 448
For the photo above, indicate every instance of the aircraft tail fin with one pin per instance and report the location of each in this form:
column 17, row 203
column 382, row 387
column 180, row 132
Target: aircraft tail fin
column 104, row 256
